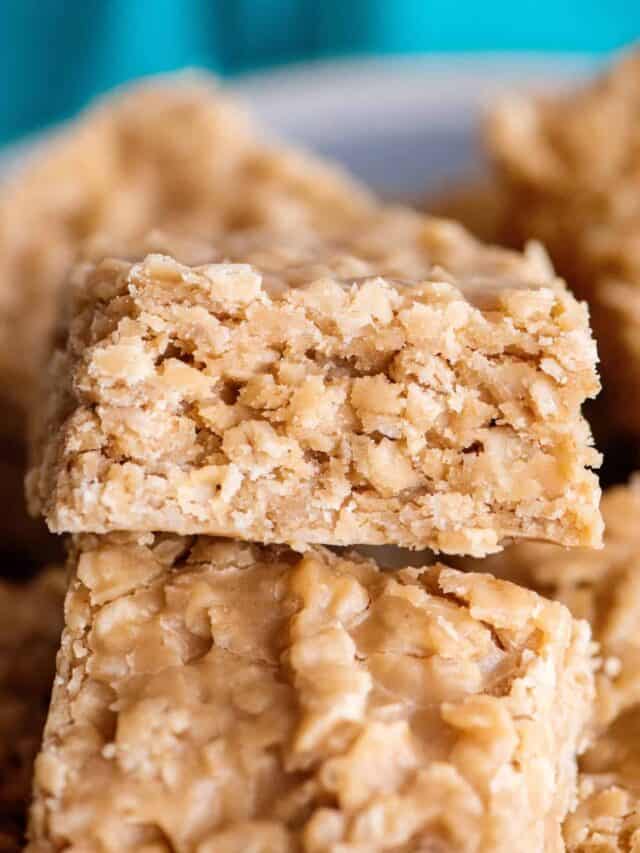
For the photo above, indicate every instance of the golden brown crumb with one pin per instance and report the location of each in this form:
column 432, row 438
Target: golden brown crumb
column 607, row 818
column 213, row 696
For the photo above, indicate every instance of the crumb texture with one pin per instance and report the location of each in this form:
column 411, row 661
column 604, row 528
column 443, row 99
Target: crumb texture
column 305, row 703
column 30, row 626
column 404, row 385
column 601, row 586
column 172, row 153
column 567, row 170
column 604, row 588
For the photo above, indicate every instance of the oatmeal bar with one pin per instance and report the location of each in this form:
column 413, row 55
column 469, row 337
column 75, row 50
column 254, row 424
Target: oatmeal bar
column 567, row 167
column 30, row 626
column 604, row 588
column 219, row 696
column 324, row 391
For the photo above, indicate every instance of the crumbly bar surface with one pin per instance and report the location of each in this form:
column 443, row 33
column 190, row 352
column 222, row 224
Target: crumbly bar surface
column 174, row 152
column 216, row 696
column 567, row 170
column 325, row 392
column 604, row 588
column 30, row 626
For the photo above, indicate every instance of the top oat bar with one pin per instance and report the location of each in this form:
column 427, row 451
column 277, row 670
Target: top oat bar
column 403, row 385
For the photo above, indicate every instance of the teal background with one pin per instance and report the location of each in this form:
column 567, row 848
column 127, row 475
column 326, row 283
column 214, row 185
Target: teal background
column 57, row 54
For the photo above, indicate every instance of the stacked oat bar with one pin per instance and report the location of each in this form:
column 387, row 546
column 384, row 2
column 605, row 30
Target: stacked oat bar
column 387, row 380
column 399, row 383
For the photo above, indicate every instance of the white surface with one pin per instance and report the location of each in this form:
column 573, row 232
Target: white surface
column 401, row 124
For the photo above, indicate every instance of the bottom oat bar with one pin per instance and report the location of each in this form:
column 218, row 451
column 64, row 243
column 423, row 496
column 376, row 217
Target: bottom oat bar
column 30, row 626
column 603, row 587
column 214, row 697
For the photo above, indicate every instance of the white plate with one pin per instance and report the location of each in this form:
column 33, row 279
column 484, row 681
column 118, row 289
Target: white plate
column 403, row 125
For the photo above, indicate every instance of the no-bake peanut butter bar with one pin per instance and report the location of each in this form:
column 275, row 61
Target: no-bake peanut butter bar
column 604, row 588
column 403, row 385
column 31, row 617
column 567, row 168
column 220, row 696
